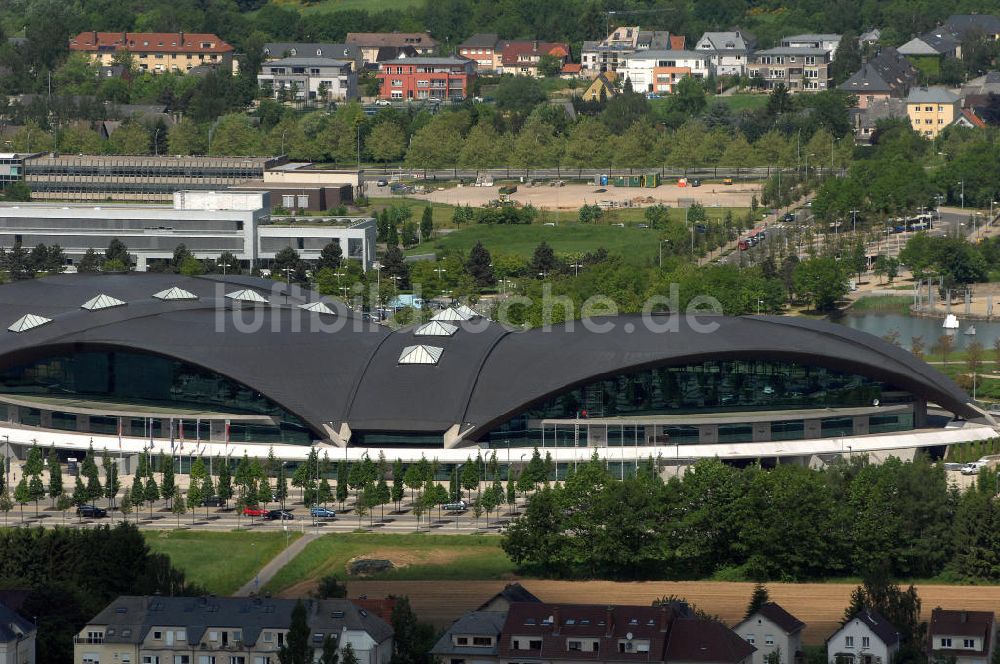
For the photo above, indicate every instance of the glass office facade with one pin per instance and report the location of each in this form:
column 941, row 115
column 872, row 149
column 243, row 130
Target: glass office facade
column 145, row 380
column 715, row 386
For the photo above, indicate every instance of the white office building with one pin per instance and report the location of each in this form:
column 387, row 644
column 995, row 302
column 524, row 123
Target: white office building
column 206, row 222
column 310, row 79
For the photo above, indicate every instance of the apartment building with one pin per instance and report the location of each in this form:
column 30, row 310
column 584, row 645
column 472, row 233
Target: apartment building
column 485, row 49
column 728, row 52
column 827, row 42
column 209, row 630
column 931, row 110
column 372, row 43
column 280, row 50
column 156, row 52
column 609, row 54
column 309, row 79
column 800, row 69
column 658, row 72
column 426, row 79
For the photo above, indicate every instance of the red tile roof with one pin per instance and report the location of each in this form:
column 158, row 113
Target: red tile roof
column 143, row 42
column 571, row 68
column 971, row 116
column 677, row 42
column 372, row 39
column 514, row 49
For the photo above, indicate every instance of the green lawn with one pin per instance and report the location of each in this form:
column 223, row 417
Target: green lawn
column 420, row 556
column 883, row 304
column 743, row 101
column 219, row 562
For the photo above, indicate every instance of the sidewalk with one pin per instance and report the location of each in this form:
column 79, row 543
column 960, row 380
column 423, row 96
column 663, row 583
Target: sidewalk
column 268, row 571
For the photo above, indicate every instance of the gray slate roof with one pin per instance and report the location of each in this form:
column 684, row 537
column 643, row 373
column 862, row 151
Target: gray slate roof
column 311, row 49
column 477, row 623
column 307, row 62
column 129, row 618
column 932, row 95
column 13, row 625
column 887, row 72
column 481, row 40
column 961, row 24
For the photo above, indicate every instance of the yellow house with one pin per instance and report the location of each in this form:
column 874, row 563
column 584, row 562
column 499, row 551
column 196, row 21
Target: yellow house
column 156, row 52
column 931, row 109
column 606, row 82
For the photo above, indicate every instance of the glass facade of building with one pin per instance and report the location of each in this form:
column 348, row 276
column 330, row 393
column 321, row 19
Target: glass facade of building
column 146, row 380
column 715, row 386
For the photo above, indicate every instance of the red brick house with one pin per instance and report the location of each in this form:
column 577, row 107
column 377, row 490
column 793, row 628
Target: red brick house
column 426, row 79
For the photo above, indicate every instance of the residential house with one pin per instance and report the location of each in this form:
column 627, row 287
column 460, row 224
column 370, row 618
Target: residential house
column 729, row 52
column 865, row 120
column 281, row 50
column 155, row 52
column 657, row 72
column 426, row 78
column 577, row 633
column 961, row 25
column 800, row 69
column 17, row 638
column 511, row 593
column 209, row 630
column 827, row 42
column 866, row 638
column 309, row 79
column 371, row 42
column 869, row 37
column 604, row 86
column 937, row 43
column 931, row 110
column 472, row 639
column 609, row 54
column 521, row 58
column 571, row 70
column 961, row 637
column 775, row 633
column 888, row 74
column 485, row 49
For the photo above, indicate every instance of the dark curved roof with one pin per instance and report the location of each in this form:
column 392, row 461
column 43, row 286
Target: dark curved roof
column 486, row 373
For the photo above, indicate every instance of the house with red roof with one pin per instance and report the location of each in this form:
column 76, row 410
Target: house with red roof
column 521, row 58
column 156, row 52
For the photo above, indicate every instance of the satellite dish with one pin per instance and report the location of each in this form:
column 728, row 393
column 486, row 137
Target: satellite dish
column 875, row 403
column 629, row 636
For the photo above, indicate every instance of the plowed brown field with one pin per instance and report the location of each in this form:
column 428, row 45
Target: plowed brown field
column 819, row 605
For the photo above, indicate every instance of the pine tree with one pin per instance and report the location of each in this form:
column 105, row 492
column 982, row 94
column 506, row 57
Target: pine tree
column 207, row 491
column 480, row 266
column 167, row 482
column 21, row 494
column 55, row 475
column 79, row 493
column 758, row 599
column 281, row 488
column 111, row 483
column 398, row 488
column 341, row 483
column 427, row 224
column 36, row 489
column 330, row 654
column 177, row 504
column 137, row 494
column 225, row 483
column 296, row 649
column 151, row 493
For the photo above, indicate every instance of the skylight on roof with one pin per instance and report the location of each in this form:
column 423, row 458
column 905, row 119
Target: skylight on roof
column 27, row 322
column 435, row 328
column 420, row 355
column 450, row 314
column 247, row 295
column 175, row 293
column 102, row 301
column 318, row 308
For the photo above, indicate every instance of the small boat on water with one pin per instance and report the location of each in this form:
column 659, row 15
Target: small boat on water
column 970, row 330
column 950, row 322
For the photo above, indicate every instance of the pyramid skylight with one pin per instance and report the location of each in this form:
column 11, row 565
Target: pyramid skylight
column 175, row 293
column 450, row 314
column 27, row 322
column 102, row 301
column 318, row 308
column 435, row 328
column 420, row 355
column 467, row 311
column 246, row 295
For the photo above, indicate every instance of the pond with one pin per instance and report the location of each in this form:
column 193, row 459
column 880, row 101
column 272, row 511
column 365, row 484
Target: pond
column 930, row 329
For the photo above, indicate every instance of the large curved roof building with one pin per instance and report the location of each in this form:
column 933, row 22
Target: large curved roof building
column 224, row 365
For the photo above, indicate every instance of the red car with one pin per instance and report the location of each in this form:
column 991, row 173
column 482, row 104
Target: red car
column 254, row 511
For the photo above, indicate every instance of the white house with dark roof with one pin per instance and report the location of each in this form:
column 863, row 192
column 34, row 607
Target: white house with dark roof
column 17, row 638
column 867, row 638
column 965, row 637
column 729, row 52
column 772, row 630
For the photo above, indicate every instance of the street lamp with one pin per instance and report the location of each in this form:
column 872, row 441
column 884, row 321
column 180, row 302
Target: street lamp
column 576, row 269
column 661, row 251
column 759, row 302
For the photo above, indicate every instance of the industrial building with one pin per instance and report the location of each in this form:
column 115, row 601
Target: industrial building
column 206, row 222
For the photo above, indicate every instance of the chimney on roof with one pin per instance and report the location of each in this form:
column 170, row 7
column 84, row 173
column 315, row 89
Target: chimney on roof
column 534, row 45
column 180, row 40
column 95, row 37
column 555, row 620
column 609, row 619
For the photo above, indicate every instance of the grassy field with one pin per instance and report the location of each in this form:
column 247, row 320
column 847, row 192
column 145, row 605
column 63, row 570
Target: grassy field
column 219, row 562
column 371, row 6
column 743, row 101
column 897, row 304
column 417, row 557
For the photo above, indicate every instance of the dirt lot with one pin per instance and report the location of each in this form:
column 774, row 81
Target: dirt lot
column 573, row 196
column 820, row 606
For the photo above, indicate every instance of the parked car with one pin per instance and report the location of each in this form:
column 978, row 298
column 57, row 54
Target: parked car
column 695, row 183
column 254, row 511
column 382, row 182
column 789, row 217
column 282, row 515
column 974, row 467
column 383, row 102
column 322, row 513
column 455, row 507
column 212, row 501
column 91, row 511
